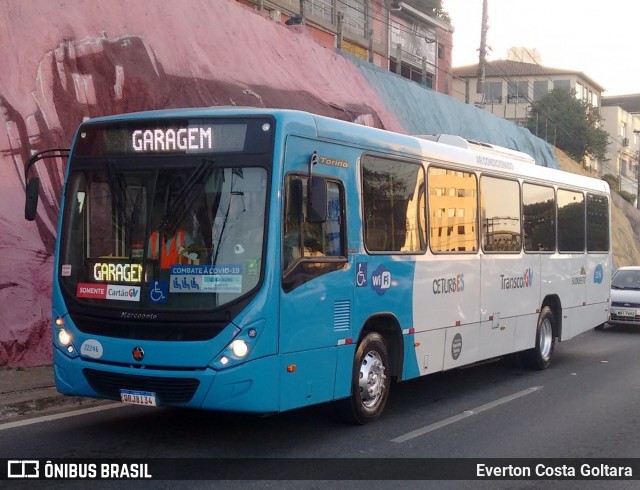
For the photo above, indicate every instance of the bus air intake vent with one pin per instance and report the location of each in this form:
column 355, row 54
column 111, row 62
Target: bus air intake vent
column 168, row 390
column 341, row 316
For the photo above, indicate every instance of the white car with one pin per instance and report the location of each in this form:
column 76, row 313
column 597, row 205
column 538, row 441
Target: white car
column 625, row 297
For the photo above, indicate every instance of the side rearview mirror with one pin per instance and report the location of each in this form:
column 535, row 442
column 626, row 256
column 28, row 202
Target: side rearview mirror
column 31, row 204
column 317, row 200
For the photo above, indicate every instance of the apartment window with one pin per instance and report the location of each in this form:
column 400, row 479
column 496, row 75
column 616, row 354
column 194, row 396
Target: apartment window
column 540, row 89
column 320, row 8
column 517, row 92
column 493, row 92
column 562, row 84
column 355, row 19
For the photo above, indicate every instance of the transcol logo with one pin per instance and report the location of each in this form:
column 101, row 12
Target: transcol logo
column 518, row 282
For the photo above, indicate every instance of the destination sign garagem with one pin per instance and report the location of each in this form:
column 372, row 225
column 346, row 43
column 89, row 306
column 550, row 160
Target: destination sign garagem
column 182, row 137
column 172, row 139
column 193, row 139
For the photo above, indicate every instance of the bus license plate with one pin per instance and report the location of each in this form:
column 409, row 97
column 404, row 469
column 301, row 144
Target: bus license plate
column 630, row 313
column 146, row 398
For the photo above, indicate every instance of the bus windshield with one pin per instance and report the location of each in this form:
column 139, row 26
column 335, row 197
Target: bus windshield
column 167, row 237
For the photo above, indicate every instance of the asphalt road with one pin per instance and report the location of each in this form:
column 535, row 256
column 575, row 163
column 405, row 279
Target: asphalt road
column 586, row 405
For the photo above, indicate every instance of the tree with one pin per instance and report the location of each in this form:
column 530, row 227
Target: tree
column 570, row 124
column 612, row 180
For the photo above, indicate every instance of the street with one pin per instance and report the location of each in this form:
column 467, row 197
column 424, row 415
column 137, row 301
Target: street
column 584, row 406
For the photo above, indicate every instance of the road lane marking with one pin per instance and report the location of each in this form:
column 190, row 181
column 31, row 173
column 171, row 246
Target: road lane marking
column 467, row 413
column 57, row 416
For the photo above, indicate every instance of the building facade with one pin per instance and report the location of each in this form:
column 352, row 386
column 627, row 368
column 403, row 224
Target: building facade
column 389, row 33
column 621, row 120
column 511, row 86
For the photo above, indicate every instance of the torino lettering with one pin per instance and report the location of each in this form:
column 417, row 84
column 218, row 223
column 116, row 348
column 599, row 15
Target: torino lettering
column 181, row 139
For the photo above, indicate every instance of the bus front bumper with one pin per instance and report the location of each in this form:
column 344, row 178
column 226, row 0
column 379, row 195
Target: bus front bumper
column 250, row 387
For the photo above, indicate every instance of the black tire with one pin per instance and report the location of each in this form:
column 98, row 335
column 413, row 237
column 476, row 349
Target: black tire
column 370, row 382
column 540, row 356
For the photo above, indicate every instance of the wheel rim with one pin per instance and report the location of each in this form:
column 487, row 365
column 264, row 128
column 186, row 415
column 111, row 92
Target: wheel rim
column 546, row 338
column 372, row 379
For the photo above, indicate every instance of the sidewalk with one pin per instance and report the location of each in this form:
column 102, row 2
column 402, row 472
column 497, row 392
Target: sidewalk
column 26, row 391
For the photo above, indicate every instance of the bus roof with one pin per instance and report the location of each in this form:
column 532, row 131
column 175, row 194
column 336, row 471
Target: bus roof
column 434, row 148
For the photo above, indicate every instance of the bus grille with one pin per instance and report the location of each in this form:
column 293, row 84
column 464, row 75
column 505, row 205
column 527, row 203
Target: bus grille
column 168, row 390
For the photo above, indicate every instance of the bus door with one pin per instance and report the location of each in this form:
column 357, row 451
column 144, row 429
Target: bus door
column 317, row 289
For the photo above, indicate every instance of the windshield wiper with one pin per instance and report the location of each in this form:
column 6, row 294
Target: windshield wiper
column 184, row 199
column 131, row 225
column 116, row 188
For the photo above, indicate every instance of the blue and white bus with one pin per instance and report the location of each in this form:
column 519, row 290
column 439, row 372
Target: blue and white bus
column 261, row 260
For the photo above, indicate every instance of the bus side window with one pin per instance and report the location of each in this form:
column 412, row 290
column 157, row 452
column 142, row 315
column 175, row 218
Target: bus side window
column 311, row 248
column 293, row 202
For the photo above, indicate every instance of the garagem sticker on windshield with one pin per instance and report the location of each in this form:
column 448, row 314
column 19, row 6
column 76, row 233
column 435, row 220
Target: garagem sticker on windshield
column 206, row 279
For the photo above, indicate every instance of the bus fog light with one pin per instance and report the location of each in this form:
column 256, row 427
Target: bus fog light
column 63, row 337
column 239, row 348
column 59, row 322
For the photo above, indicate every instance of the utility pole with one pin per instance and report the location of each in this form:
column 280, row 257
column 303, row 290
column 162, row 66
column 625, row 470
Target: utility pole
column 482, row 55
column 637, row 132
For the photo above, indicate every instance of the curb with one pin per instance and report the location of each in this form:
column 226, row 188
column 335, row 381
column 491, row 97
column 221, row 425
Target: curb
column 28, row 402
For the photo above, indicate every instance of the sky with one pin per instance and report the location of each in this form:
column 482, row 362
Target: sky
column 600, row 38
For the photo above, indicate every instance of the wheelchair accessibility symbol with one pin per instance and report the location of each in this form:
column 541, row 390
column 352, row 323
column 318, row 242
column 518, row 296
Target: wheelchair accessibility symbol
column 361, row 274
column 159, row 292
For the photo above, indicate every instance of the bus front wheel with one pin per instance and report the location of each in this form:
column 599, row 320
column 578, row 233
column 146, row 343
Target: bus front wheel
column 540, row 356
column 370, row 381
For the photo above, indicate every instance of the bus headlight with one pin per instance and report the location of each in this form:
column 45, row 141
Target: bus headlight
column 63, row 337
column 237, row 351
column 239, row 348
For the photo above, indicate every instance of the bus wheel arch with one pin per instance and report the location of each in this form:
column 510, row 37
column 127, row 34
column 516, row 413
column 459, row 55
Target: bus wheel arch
column 539, row 357
column 553, row 301
column 377, row 359
column 389, row 328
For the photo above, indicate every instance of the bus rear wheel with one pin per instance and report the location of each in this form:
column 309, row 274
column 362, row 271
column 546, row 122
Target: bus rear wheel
column 370, row 381
column 540, row 356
